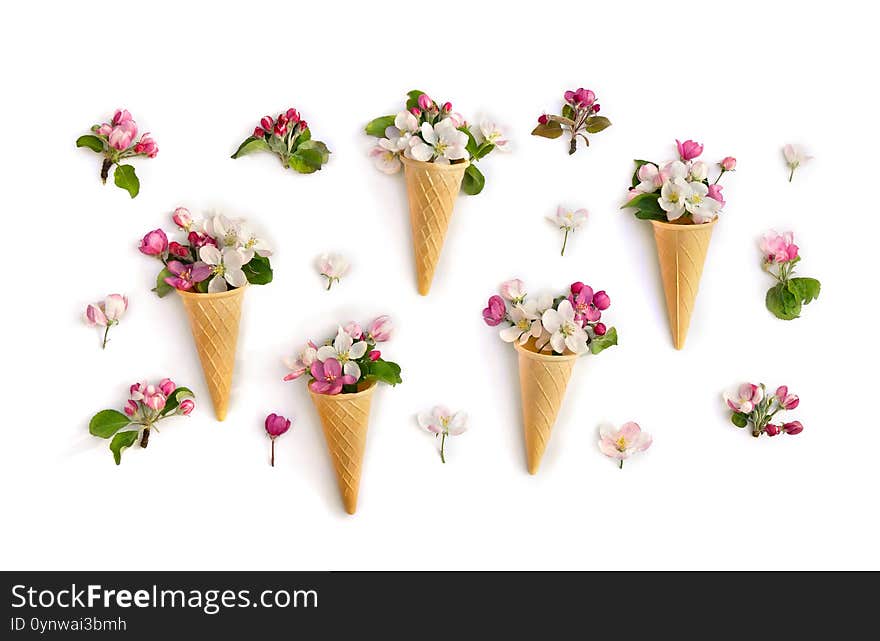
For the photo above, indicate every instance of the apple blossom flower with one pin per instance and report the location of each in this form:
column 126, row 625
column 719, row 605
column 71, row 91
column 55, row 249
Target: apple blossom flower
column 651, row 178
column 785, row 399
column 601, row 300
column 771, row 429
column 177, row 250
column 439, row 143
column 495, row 311
column 441, row 422
column 198, row 239
column 146, row 146
column 236, row 234
column 715, row 194
column 381, row 329
column 344, row 350
column 699, row 205
column 795, row 156
column 385, row 160
column 106, row 314
column 565, row 331
column 456, row 119
column 513, row 290
column 747, row 397
column 580, row 98
column 792, row 428
column 131, row 408
column 425, row 102
column 122, row 135
column 623, row 443
column 526, row 321
column 353, row 329
column 600, row 329
column 492, row 134
column 186, row 407
column 182, row 218
column 226, row 267
column 332, row 267
column 276, row 425
column 672, row 199
column 155, row 243
column 584, row 309
column 329, row 378
column 167, row 386
column 699, row 171
column 688, row 150
column 397, row 138
column 778, row 248
column 186, row 275
column 568, row 221
column 727, row 164
column 302, row 363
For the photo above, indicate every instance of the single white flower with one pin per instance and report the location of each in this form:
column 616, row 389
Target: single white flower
column 251, row 244
column 699, row 204
column 300, row 364
column 673, row 194
column 565, row 331
column 333, row 267
column 224, row 231
column 226, row 266
column 526, row 323
column 795, row 156
column 441, row 143
column 397, row 137
column 345, row 350
column 513, row 290
column 651, row 178
column 384, row 159
column 699, row 171
column 492, row 133
column 568, row 221
column 442, row 422
column 674, row 169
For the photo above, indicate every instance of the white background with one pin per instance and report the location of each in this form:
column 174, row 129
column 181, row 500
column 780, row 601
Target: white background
column 744, row 81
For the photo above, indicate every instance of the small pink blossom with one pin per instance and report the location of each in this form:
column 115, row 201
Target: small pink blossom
column 688, row 150
column 155, row 243
column 167, row 386
column 375, row 355
column 187, row 275
column 154, row 399
column 381, row 329
column 301, row 364
column 146, row 146
column 447, row 107
column 728, row 163
column 623, row 443
column 495, row 311
column 121, row 116
column 122, row 135
column 513, row 290
column 748, row 395
column 580, row 98
column 601, row 300
column 353, row 329
column 95, row 316
column 329, row 378
column 600, row 329
column 276, row 425
column 130, row 407
column 182, row 218
column 177, row 250
column 259, row 132
column 198, row 240
column 425, row 102
column 771, row 430
column 267, row 123
column 186, row 406
column 106, row 314
column 786, row 400
column 779, row 248
column 715, row 192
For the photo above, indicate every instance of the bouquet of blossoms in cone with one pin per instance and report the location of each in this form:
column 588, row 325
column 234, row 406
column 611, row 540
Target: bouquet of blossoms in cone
column 438, row 150
column 210, row 270
column 343, row 373
column 549, row 333
column 683, row 206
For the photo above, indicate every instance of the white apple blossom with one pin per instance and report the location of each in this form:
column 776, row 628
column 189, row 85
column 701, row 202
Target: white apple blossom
column 385, row 160
column 672, row 197
column 333, row 267
column 699, row 171
column 492, row 134
column 345, row 350
column 795, row 156
column 565, row 331
column 513, row 290
column 397, row 138
column 526, row 321
column 226, row 266
column 699, row 204
column 650, row 177
column 441, row 143
column 301, row 364
column 568, row 221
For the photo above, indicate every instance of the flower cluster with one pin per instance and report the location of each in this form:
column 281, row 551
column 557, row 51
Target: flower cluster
column 106, row 314
column 579, row 118
column 276, row 425
column 569, row 221
column 752, row 404
column 118, row 140
column 786, row 298
column 341, row 364
column 218, row 254
column 569, row 323
column 147, row 404
column 794, row 156
column 288, row 136
column 623, row 443
column 442, row 422
column 428, row 131
column 678, row 190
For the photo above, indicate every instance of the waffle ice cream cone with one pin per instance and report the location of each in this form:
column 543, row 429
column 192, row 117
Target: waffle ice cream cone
column 543, row 379
column 432, row 189
column 682, row 252
column 345, row 418
column 213, row 319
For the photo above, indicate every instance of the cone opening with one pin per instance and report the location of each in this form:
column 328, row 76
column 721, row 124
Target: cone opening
column 238, row 291
column 415, row 164
column 365, row 388
column 532, row 352
column 673, row 226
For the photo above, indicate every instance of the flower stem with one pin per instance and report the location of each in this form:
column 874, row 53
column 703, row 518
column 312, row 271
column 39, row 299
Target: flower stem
column 329, row 283
column 719, row 176
column 145, row 437
column 104, row 342
column 443, row 448
column 564, row 243
column 105, row 169
column 791, row 175
column 574, row 142
column 272, row 461
column 620, row 466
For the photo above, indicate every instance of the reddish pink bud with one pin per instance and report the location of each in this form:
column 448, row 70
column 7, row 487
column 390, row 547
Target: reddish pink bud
column 728, row 164
column 577, row 287
column 601, row 300
column 771, row 430
column 267, row 123
column 415, row 111
column 785, row 399
column 280, row 129
column 600, row 329
column 293, row 115
column 130, row 407
column 447, row 107
column 186, row 406
column 259, row 132
column 167, row 386
column 276, row 425
column 178, row 250
column 425, row 102
column 375, row 355
column 303, row 125
column 155, row 243
column 596, row 108
column 182, row 218
column 793, row 428
column 542, row 119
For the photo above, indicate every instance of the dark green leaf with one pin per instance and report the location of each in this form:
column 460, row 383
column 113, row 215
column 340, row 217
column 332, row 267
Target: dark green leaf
column 162, row 288
column 473, row 181
column 202, row 286
column 595, row 124
column 413, row 98
column 568, row 112
column 782, row 303
column 471, row 145
column 806, row 289
column 550, row 129
column 316, row 145
column 600, row 343
column 647, row 207
column 251, row 144
column 92, row 142
column 639, row 163
column 107, row 422
column 304, row 136
column 383, row 371
column 125, row 178
column 173, row 401
column 258, row 270
column 484, row 150
column 305, row 161
column 377, row 126
column 739, row 419
column 122, row 441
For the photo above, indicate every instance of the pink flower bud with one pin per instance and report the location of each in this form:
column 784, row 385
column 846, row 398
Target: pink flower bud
column 715, row 193
column 103, row 130
column 688, row 150
column 415, row 111
column 793, row 428
column 200, row 240
column 786, row 400
column 280, row 129
column 186, row 406
column 178, row 250
column 167, row 386
column 601, row 300
column 276, row 425
column 115, row 306
column 95, row 316
column 425, row 102
column 495, row 311
column 381, row 329
column 596, row 108
column 155, row 243
column 267, row 123
column 447, row 107
column 600, row 329
column 728, row 164
column 122, row 135
column 375, row 355
column 771, row 430
column 146, row 146
column 353, row 329
column 542, row 119
column 155, row 400
column 130, row 408
column 182, row 218
column 303, row 125
column 136, row 388
column 293, row 115
column 120, row 117
column 577, row 287
column 259, row 132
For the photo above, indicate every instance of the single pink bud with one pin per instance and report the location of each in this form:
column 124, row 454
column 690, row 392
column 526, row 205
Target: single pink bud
column 167, row 386
column 155, row 243
column 715, row 193
column 276, row 425
column 130, row 408
column 186, row 406
column 354, row 330
column 303, row 125
column 688, row 150
column 425, row 102
column 728, row 164
column 600, row 329
column 135, row 387
column 267, row 123
column 596, row 108
column 178, row 250
column 155, row 400
column 793, row 428
column 577, row 287
column 447, row 107
column 146, row 146
column 415, row 111
column 771, row 430
column 95, row 316
column 375, row 355
column 293, row 115
column 182, row 218
column 381, row 329
column 259, row 132
column 542, row 119
column 104, row 130
column 280, row 129
column 120, row 117
column 601, row 300
column 282, row 118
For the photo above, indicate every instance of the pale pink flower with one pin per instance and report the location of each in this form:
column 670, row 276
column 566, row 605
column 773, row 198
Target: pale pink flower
column 795, row 156
column 106, row 314
column 778, row 248
column 332, row 267
column 381, row 329
column 122, row 135
column 747, row 397
column 440, row 421
column 301, row 364
column 623, row 443
column 182, row 218
column 353, row 329
column 728, row 163
column 715, row 193
column 513, row 290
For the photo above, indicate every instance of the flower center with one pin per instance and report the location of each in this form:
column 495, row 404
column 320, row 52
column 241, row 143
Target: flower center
column 673, row 197
column 621, row 444
column 440, row 147
column 567, row 329
column 230, row 239
column 524, row 324
column 219, row 270
column 342, row 357
column 696, row 199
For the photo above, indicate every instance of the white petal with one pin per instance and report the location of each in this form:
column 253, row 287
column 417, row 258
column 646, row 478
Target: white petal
column 217, row 284
column 325, row 352
column 236, row 277
column 210, row 254
column 551, row 320
column 343, row 341
column 557, row 342
column 352, row 369
column 357, row 350
column 509, row 334
column 428, row 134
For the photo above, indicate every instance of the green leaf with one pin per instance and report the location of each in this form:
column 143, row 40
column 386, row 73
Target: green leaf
column 316, row 145
column 595, row 124
column 173, row 401
column 600, row 343
column 258, row 270
column 383, row 371
column 162, row 288
column 806, row 289
column 782, row 303
column 377, row 126
column 305, row 161
column 473, row 181
column 122, row 441
column 250, row 145
column 413, row 98
column 277, row 144
column 484, row 150
column 647, row 207
column 92, row 142
column 125, row 178
column 550, row 129
column 568, row 112
column 739, row 419
column 202, row 286
column 639, row 163
column 107, row 422
column 303, row 136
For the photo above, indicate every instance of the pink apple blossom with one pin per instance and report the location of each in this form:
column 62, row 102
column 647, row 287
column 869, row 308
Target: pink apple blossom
column 276, row 425
column 130, row 407
column 106, row 314
column 786, row 400
column 728, row 163
column 95, row 316
column 146, row 146
column 353, row 329
column 513, row 290
column 267, row 123
column 178, row 250
column 425, row 102
column 601, row 300
column 375, row 355
column 688, row 150
column 167, row 386
column 329, row 378
column 186, row 406
column 747, row 397
column 715, row 192
column 580, row 98
column 185, row 276
column 381, row 329
column 155, row 243
column 600, row 329
column 623, row 443
column 792, row 428
column 122, row 135
column 495, row 311
column 779, row 248
column 121, row 116
column 771, row 430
